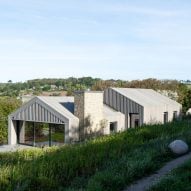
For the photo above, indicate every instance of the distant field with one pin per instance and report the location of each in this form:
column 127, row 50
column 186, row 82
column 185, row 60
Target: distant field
column 108, row 163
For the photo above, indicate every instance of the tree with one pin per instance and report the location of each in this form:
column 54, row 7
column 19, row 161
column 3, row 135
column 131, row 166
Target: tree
column 58, row 83
column 7, row 106
column 46, row 88
column 186, row 102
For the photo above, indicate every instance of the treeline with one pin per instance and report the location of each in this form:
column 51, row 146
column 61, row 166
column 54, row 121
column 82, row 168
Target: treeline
column 37, row 86
column 72, row 84
column 7, row 106
column 151, row 83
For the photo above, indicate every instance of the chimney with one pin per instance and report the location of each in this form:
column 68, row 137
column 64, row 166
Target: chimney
column 88, row 107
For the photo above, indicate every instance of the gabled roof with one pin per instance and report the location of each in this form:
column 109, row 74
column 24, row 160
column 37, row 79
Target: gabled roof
column 146, row 97
column 46, row 109
column 62, row 104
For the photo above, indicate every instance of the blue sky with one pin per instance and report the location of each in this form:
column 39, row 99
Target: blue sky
column 120, row 39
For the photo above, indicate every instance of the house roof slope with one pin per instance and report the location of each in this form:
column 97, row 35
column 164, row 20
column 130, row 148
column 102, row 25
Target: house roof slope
column 63, row 105
column 146, row 97
column 60, row 107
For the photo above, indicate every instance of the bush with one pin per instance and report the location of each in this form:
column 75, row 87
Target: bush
column 7, row 106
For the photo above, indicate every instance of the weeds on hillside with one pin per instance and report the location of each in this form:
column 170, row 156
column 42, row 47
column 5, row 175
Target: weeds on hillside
column 106, row 163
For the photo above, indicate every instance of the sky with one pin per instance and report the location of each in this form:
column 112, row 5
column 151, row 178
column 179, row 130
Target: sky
column 118, row 39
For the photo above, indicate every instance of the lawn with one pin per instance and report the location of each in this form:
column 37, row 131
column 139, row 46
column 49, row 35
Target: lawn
column 108, row 163
column 178, row 179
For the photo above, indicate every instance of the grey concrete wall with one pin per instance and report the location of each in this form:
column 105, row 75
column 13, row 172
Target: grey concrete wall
column 153, row 115
column 12, row 135
column 74, row 133
column 117, row 117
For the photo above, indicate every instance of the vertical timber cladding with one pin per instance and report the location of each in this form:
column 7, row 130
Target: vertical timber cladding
column 123, row 104
column 38, row 113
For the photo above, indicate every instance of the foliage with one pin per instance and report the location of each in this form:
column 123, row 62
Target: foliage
column 7, row 105
column 106, row 163
column 146, row 83
column 72, row 84
column 36, row 86
column 186, row 102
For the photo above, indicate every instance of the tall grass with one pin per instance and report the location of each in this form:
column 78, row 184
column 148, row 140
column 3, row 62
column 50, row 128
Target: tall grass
column 106, row 163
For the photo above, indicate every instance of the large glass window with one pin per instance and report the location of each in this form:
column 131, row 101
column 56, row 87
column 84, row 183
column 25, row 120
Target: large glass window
column 27, row 134
column 41, row 134
column 57, row 134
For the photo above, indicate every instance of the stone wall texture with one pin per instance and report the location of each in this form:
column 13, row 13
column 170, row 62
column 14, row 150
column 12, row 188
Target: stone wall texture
column 89, row 110
column 79, row 112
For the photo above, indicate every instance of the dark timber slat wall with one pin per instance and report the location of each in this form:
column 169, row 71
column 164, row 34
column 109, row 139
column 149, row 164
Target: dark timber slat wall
column 123, row 104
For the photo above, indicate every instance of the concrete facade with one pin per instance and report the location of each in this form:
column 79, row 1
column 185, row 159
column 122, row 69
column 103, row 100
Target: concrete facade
column 12, row 133
column 113, row 116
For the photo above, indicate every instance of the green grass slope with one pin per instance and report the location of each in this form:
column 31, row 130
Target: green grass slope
column 109, row 163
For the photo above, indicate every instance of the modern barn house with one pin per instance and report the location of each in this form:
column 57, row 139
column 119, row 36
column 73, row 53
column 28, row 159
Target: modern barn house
column 142, row 106
column 47, row 121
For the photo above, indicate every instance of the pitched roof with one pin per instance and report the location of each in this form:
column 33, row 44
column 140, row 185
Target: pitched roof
column 146, row 97
column 61, row 108
column 63, row 104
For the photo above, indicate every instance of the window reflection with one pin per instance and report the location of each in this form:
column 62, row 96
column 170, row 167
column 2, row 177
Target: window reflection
column 41, row 134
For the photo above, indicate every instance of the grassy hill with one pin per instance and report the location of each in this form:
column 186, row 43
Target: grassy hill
column 107, row 163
